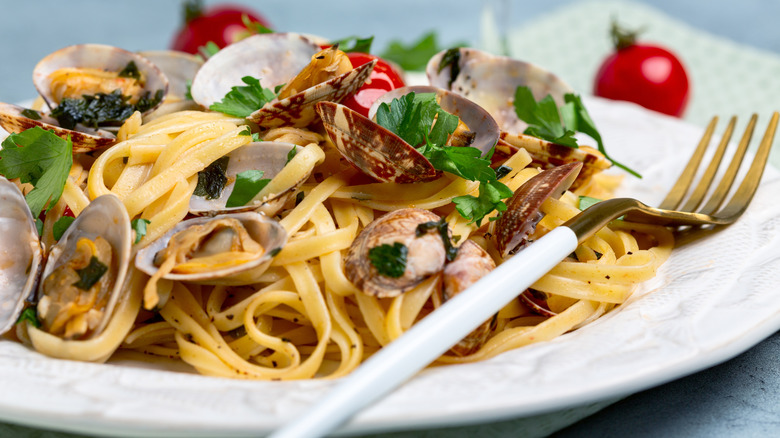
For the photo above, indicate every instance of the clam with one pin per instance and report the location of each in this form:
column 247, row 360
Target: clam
column 273, row 58
column 491, row 81
column 523, row 209
column 272, row 158
column 547, row 155
column 229, row 249
column 88, row 69
column 20, row 254
column 180, row 68
column 383, row 155
column 469, row 265
column 425, row 253
column 85, row 271
column 16, row 119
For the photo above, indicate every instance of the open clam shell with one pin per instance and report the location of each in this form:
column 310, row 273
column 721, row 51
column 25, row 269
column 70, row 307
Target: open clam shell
column 272, row 158
column 425, row 253
column 475, row 117
column 98, row 57
column 298, row 109
column 523, row 209
column 273, row 58
column 104, row 217
column 20, row 254
column 180, row 68
column 267, row 232
column 491, row 81
column 547, row 155
column 14, row 120
column 373, row 149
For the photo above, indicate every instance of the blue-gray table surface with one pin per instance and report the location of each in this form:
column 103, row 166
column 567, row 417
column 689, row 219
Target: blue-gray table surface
column 740, row 397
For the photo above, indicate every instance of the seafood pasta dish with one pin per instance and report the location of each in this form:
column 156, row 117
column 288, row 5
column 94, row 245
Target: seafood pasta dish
column 239, row 215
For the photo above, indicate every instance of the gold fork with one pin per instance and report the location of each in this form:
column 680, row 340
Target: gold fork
column 458, row 316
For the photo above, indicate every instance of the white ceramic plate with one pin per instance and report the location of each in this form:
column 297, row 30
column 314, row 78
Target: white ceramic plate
column 712, row 300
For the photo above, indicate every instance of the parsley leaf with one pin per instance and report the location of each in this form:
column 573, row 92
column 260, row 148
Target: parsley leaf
column 389, row 260
column 411, row 117
column 254, row 26
column 90, row 274
column 210, row 49
column 355, row 44
column 139, row 226
column 241, row 101
column 414, row 56
column 248, row 184
column 545, row 121
column 587, row 201
column 130, row 71
column 291, row 155
column 30, row 315
column 61, row 226
column 43, row 160
column 212, row 179
column 491, row 195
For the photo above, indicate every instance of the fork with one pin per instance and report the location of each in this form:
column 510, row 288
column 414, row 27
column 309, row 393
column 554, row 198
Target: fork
column 439, row 331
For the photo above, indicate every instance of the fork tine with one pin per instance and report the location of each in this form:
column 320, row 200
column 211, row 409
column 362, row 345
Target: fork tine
column 680, row 188
column 704, row 184
column 719, row 195
column 748, row 187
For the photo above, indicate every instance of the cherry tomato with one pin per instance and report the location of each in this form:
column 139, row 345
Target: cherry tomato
column 383, row 79
column 220, row 24
column 649, row 75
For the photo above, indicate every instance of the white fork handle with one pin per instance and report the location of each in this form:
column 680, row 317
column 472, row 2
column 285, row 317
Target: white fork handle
column 431, row 337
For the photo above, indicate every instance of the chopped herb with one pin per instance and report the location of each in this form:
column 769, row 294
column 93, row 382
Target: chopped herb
column 188, row 94
column 90, row 274
column 30, row 315
column 139, row 226
column 587, row 201
column 210, row 49
column 355, row 44
column 491, row 195
column 130, row 71
column 145, row 103
column 31, row 114
column 545, row 121
column 61, row 226
column 274, row 252
column 43, row 160
column 101, row 109
column 212, row 179
column 248, row 184
column 451, row 58
column 298, row 198
column 414, row 56
column 248, row 132
column 278, row 88
column 502, row 171
column 241, row 101
column 291, row 154
column 389, row 260
column 254, row 26
column 39, row 226
column 598, row 255
column 444, row 232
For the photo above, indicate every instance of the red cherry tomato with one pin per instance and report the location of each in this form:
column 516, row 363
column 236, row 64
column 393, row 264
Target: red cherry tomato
column 68, row 212
column 648, row 75
column 383, row 79
column 219, row 24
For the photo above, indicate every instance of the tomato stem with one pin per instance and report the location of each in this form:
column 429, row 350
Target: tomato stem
column 621, row 37
column 192, row 10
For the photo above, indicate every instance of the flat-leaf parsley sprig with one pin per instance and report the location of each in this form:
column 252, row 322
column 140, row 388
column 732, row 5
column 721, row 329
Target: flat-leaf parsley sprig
column 420, row 121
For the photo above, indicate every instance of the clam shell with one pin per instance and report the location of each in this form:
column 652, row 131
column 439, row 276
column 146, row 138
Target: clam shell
column 274, row 58
column 95, row 56
column 491, row 81
column 475, row 117
column 426, row 254
column 107, row 217
column 373, row 149
column 268, row 232
column 547, row 155
column 179, row 67
column 522, row 213
column 271, row 158
column 84, row 140
column 298, row 110
column 20, row 254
